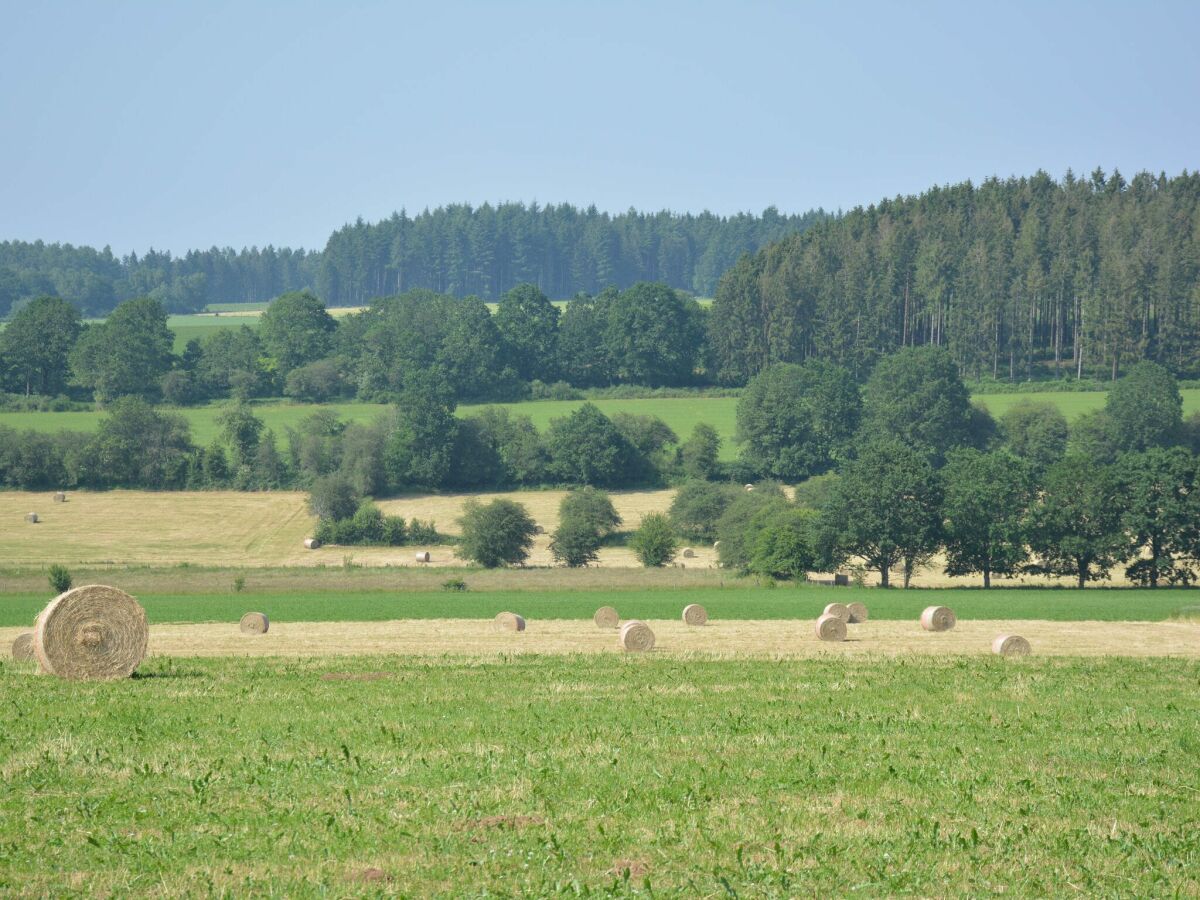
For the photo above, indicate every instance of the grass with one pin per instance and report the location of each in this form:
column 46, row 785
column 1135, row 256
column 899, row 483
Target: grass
column 738, row 601
column 681, row 413
column 604, row 775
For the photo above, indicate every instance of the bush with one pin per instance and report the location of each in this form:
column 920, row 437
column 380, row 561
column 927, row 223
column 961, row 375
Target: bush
column 654, row 543
column 576, row 543
column 333, row 497
column 697, row 507
column 699, row 455
column 368, row 526
column 590, row 507
column 423, row 532
column 316, row 382
column 239, row 584
column 559, row 390
column 734, row 527
column 783, row 544
column 496, row 534
column 454, row 585
column 60, row 579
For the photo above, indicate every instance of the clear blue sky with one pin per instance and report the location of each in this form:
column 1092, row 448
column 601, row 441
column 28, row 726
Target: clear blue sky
column 180, row 124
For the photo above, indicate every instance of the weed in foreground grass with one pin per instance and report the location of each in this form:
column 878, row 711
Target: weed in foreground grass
column 565, row 774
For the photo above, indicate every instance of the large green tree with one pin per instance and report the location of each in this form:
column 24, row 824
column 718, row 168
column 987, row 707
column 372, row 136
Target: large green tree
column 586, row 448
column 985, row 499
column 1035, row 432
column 127, row 354
column 496, row 534
column 653, row 335
column 1160, row 512
column 528, row 326
column 1145, row 408
column 296, row 329
column 36, row 343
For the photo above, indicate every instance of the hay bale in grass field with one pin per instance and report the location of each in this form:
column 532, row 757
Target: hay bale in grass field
column 31, row 518
column 695, row 614
column 749, row 487
column 858, row 613
column 22, row 647
column 938, row 618
column 606, row 617
column 312, row 544
column 423, row 556
column 841, row 610
column 689, row 553
column 831, row 628
column 254, row 623
column 636, row 637
column 91, row 632
column 60, row 497
column 1011, row 645
column 508, row 621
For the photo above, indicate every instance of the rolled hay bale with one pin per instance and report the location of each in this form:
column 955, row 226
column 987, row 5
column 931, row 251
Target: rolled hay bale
column 695, row 614
column 749, row 487
column 1011, row 645
column 636, row 637
column 60, row 497
column 716, row 545
column 858, row 613
column 22, row 647
column 423, row 556
column 312, row 544
column 938, row 618
column 841, row 579
column 841, row 610
column 91, row 632
column 31, row 518
column 606, row 617
column 538, row 528
column 689, row 553
column 508, row 621
column 254, row 623
column 831, row 628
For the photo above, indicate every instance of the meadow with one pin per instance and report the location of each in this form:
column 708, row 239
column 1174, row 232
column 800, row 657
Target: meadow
column 604, row 775
column 682, row 414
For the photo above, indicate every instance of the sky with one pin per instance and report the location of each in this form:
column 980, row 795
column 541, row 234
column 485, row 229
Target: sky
column 187, row 125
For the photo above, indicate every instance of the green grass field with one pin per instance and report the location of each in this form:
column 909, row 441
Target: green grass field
column 739, row 602
column 605, row 776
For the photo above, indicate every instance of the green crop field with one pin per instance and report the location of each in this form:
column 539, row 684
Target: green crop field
column 612, row 776
column 737, row 602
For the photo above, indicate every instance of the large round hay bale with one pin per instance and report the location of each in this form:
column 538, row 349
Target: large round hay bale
column 749, row 487
column 31, row 518
column 689, row 553
column 938, row 618
column 423, row 556
column 695, row 614
column 254, row 623
column 716, row 545
column 312, row 544
column 606, row 617
column 508, row 621
column 538, row 528
column 60, row 497
column 1011, row 645
column 858, row 612
column 831, row 628
column 91, row 632
column 841, row 610
column 636, row 637
column 22, row 647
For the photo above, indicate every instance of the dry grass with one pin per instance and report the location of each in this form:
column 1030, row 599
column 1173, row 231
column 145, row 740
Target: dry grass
column 724, row 638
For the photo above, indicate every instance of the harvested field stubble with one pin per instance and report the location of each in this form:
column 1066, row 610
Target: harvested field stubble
column 309, row 782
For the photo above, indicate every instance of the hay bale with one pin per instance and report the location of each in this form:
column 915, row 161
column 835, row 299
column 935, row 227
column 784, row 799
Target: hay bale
column 423, row 556
column 938, row 618
column 749, row 487
column 606, row 617
column 31, row 518
column 636, row 637
column 91, row 632
column 858, row 613
column 695, row 614
column 508, row 621
column 716, row 545
column 60, row 497
column 840, row 579
column 22, row 647
column 1011, row 645
column 831, row 628
column 312, row 544
column 254, row 623
column 538, row 528
column 841, row 610
column 689, row 553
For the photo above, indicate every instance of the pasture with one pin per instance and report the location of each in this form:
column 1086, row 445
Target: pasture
column 543, row 775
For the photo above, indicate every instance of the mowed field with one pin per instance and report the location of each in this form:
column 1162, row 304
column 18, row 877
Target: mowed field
column 606, row 775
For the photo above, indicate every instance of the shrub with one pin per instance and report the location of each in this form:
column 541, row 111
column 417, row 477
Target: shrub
column 454, row 585
column 239, row 584
column 60, row 579
column 698, row 455
column 591, row 507
column 423, row 532
column 734, row 526
column 697, row 507
column 496, row 534
column 654, row 543
column 316, row 382
column 576, row 543
column 783, row 543
column 333, row 497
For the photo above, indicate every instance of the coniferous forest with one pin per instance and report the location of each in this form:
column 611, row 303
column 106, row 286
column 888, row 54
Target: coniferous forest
column 1018, row 279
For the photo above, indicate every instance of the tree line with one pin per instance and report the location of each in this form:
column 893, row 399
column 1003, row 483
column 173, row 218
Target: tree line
column 1017, row 279
column 458, row 250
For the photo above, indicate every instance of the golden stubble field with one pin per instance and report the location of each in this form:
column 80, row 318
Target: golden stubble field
column 258, row 530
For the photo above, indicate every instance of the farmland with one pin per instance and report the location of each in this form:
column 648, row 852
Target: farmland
column 551, row 774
